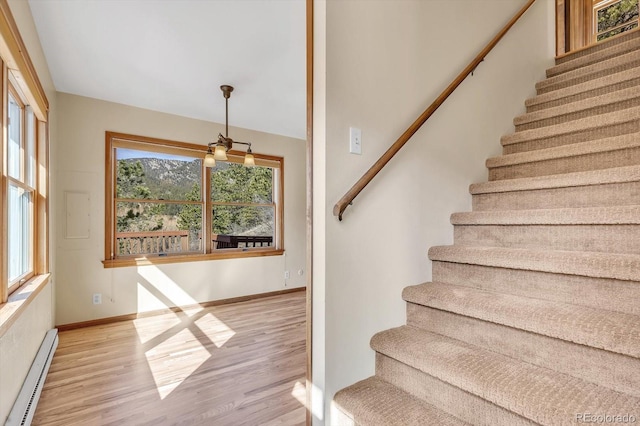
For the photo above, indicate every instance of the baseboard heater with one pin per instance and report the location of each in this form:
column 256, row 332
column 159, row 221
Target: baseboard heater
column 25, row 406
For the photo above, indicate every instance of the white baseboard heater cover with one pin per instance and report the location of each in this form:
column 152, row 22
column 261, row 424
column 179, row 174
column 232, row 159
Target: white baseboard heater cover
column 25, row 406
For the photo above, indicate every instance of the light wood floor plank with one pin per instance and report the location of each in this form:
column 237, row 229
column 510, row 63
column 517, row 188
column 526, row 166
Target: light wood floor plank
column 236, row 364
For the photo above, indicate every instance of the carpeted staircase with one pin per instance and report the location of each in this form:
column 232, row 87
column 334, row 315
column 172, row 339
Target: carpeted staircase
column 533, row 315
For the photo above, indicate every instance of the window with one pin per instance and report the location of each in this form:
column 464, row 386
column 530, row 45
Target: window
column 164, row 205
column 612, row 17
column 21, row 179
column 580, row 23
column 24, row 109
column 25, row 188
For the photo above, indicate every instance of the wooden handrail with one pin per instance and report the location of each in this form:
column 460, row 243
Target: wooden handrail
column 347, row 199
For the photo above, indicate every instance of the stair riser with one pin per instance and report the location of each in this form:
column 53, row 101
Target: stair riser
column 601, row 109
column 567, row 80
column 580, row 163
column 611, row 84
column 617, row 372
column 448, row 398
column 592, row 238
column 594, row 58
column 621, row 194
column 564, row 322
column 587, row 135
column 598, row 293
column 612, row 42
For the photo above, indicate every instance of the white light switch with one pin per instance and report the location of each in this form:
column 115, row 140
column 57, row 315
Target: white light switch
column 355, row 140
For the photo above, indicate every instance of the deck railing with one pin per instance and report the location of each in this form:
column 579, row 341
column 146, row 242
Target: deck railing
column 158, row 242
column 152, row 242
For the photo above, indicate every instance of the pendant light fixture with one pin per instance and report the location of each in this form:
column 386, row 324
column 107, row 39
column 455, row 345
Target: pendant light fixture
column 217, row 150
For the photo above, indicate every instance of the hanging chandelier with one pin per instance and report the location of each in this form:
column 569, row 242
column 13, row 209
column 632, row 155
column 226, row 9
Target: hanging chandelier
column 217, row 150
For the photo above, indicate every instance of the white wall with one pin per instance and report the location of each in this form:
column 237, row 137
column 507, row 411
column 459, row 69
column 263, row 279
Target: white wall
column 80, row 168
column 19, row 345
column 385, row 62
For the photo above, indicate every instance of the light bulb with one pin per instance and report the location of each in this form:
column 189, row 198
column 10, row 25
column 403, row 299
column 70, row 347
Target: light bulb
column 209, row 160
column 249, row 160
column 220, row 153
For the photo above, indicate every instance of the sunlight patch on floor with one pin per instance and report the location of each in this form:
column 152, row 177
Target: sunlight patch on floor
column 151, row 327
column 216, row 330
column 174, row 360
column 299, row 392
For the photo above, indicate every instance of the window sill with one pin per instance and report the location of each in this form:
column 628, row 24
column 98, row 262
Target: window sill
column 19, row 300
column 158, row 260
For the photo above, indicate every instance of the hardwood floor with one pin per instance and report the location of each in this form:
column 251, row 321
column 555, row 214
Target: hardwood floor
column 236, row 364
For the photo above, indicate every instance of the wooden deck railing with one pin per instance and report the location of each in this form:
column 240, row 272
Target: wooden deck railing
column 152, row 242
column 348, row 198
column 178, row 242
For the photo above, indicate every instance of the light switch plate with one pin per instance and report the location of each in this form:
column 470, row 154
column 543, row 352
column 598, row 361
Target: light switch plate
column 355, row 140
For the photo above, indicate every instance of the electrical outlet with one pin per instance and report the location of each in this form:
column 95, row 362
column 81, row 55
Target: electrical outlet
column 97, row 298
column 287, row 275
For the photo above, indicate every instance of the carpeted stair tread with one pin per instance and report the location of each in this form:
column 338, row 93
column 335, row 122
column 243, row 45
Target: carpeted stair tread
column 581, row 126
column 614, row 143
column 590, row 72
column 607, row 215
column 542, row 395
column 602, row 45
column 595, row 56
column 609, row 369
column 567, row 180
column 589, row 264
column 377, row 403
column 597, row 328
column 600, row 86
column 449, row 398
column 610, row 102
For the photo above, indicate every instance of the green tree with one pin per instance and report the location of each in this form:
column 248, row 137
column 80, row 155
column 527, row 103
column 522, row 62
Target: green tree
column 615, row 15
column 130, row 183
column 190, row 216
column 235, row 183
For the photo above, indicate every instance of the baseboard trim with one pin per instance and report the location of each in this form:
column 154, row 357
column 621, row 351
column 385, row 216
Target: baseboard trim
column 128, row 317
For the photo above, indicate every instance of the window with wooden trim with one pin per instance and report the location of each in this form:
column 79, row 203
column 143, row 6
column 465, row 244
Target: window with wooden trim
column 612, row 17
column 24, row 177
column 163, row 205
column 21, row 190
column 24, row 172
column 580, row 23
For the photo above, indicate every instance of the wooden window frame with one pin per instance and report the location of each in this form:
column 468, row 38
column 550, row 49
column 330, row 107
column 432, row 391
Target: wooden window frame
column 21, row 182
column 38, row 188
column 114, row 140
column 576, row 24
column 16, row 67
column 597, row 6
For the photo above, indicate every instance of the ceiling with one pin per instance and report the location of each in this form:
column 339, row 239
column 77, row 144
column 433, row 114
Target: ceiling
column 172, row 56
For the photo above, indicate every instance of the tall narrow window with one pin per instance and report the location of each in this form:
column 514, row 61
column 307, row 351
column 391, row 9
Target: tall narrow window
column 24, row 163
column 244, row 211
column 21, row 160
